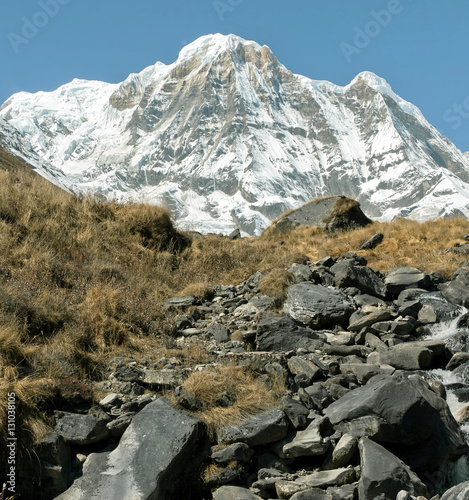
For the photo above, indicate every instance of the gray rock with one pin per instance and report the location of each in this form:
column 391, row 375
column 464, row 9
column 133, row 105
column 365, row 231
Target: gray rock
column 219, row 332
column 265, row 428
column 180, row 303
column 383, row 475
column 80, row 429
column 149, row 461
column 55, row 457
column 403, row 357
column 259, row 303
column 234, row 493
column 118, row 426
column 309, row 442
column 319, row 479
column 343, row 452
column 365, row 371
column 239, row 452
column 317, row 306
column 401, row 410
column 313, row 494
column 457, row 360
column 329, row 213
column 459, row 492
column 283, row 334
column 456, row 291
column 372, row 242
column 235, row 234
column 302, row 272
column 298, row 365
column 296, row 413
column 401, row 278
column 379, row 314
column 164, row 378
column 363, row 278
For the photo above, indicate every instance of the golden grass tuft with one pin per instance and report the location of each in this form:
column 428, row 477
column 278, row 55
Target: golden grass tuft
column 202, row 291
column 276, row 283
column 250, row 394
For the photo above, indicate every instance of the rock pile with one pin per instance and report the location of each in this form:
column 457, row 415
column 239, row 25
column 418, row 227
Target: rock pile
column 362, row 416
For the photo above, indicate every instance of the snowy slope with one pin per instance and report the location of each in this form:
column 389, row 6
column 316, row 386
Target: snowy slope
column 228, row 137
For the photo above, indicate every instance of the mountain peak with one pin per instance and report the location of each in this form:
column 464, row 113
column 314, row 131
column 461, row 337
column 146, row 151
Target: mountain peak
column 226, row 137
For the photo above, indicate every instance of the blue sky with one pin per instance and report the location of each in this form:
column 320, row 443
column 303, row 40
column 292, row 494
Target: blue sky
column 419, row 46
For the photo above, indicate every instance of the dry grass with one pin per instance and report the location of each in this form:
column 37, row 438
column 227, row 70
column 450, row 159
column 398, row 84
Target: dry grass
column 250, row 395
column 276, row 283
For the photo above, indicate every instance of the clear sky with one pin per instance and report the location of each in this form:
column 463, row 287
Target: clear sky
column 419, row 46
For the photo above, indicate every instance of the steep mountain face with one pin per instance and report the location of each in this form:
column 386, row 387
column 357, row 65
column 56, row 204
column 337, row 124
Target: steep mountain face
column 227, row 137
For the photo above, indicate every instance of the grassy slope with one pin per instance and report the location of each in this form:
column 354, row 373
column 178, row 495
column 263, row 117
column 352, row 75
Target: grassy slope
column 82, row 281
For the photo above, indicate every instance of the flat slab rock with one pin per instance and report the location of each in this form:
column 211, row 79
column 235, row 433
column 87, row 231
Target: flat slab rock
column 319, row 479
column 148, row 461
column 317, row 306
column 267, row 427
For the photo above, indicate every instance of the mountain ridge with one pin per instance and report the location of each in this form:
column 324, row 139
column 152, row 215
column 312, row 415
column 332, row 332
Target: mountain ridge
column 226, row 136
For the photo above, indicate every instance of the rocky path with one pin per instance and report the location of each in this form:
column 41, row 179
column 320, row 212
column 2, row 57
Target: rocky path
column 368, row 361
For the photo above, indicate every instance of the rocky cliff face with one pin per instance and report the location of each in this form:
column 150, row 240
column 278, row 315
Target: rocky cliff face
column 227, row 137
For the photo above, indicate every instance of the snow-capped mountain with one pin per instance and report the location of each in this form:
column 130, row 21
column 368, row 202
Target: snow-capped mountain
column 227, row 137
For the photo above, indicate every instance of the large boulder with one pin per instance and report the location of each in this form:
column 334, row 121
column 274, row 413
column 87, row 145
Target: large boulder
column 149, row 462
column 329, row 213
column 456, row 291
column 403, row 413
column 383, row 475
column 317, row 306
column 283, row 334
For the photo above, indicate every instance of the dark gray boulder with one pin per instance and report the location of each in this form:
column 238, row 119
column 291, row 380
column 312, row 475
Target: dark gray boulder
column 239, row 452
column 283, row 334
column 456, row 291
column 80, row 429
column 459, row 492
column 329, row 213
column 363, row 278
column 400, row 278
column 149, row 462
column 405, row 414
column 317, row 306
column 264, row 428
column 383, row 475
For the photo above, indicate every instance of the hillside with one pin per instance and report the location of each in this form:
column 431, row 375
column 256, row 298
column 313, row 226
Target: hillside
column 84, row 281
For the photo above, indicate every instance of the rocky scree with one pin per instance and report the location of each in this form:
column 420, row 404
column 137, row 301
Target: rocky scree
column 361, row 415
